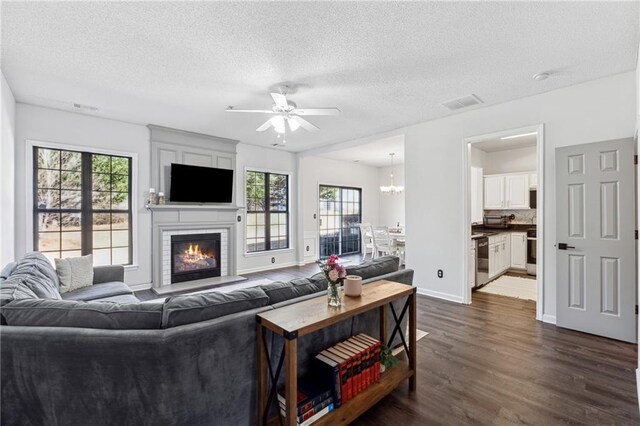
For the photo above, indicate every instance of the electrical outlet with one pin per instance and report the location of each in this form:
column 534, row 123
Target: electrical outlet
column 239, row 218
column 440, row 273
column 308, row 248
column 314, row 216
column 273, row 260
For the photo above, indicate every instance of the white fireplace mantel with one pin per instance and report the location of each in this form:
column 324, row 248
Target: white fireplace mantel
column 171, row 219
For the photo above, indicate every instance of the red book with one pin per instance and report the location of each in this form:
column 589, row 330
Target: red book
column 365, row 348
column 346, row 368
column 377, row 348
column 357, row 365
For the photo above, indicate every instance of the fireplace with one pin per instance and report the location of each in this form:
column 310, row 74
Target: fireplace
column 195, row 256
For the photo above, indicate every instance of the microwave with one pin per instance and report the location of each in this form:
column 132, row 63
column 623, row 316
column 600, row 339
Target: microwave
column 497, row 221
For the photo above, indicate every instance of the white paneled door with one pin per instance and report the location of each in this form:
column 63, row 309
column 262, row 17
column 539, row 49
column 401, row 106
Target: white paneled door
column 595, row 239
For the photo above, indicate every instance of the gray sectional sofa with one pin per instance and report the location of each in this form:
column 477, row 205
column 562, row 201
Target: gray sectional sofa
column 99, row 356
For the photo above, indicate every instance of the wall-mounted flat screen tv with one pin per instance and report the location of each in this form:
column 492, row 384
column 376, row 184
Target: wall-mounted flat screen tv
column 196, row 184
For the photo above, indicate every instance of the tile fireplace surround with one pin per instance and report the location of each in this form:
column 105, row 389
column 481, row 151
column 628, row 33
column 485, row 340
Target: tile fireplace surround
column 168, row 220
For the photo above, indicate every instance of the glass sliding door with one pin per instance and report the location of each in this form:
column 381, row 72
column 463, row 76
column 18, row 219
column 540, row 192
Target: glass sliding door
column 340, row 214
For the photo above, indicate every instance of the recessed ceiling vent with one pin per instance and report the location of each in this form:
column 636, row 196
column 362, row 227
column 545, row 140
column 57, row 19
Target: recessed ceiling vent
column 463, row 102
column 81, row 107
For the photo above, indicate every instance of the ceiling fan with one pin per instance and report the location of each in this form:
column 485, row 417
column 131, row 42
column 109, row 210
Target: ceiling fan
column 287, row 114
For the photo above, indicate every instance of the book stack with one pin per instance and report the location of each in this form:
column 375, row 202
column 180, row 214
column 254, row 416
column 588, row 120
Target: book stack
column 353, row 366
column 314, row 399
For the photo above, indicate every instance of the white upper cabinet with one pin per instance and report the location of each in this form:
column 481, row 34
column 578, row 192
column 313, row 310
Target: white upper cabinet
column 494, row 192
column 477, row 191
column 506, row 192
column 517, row 191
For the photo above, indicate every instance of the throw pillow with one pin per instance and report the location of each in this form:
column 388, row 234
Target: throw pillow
column 75, row 272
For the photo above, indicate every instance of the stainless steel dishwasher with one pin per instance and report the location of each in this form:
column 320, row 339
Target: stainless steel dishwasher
column 482, row 264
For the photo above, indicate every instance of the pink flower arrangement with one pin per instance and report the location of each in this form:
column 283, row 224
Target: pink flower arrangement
column 334, row 272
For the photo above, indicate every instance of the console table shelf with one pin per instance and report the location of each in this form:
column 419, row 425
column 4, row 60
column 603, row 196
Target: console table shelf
column 296, row 320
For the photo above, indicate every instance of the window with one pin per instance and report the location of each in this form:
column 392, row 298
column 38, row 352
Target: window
column 82, row 205
column 267, row 211
column 340, row 214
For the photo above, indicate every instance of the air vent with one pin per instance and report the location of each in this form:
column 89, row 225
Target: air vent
column 463, row 102
column 84, row 107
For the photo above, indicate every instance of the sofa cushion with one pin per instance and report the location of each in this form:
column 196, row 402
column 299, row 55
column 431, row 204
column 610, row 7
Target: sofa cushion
column 75, row 273
column 36, row 272
column 98, row 291
column 124, row 298
column 320, row 280
column 380, row 266
column 107, row 273
column 70, row 313
column 12, row 289
column 279, row 291
column 191, row 308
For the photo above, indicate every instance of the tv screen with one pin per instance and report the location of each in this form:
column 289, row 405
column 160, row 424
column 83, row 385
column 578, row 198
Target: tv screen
column 195, row 184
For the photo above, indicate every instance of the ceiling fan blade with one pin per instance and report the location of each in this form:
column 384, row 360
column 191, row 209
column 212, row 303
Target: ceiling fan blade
column 262, row 111
column 280, row 100
column 265, row 126
column 316, row 111
column 304, row 124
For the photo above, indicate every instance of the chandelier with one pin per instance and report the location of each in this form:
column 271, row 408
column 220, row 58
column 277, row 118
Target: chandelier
column 391, row 189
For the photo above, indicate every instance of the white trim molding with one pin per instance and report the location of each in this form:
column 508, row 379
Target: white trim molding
column 439, row 295
column 550, row 319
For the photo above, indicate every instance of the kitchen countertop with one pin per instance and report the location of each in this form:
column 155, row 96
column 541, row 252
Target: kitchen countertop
column 513, row 227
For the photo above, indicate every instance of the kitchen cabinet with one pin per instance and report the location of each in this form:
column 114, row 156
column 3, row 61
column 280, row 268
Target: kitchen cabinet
column 499, row 254
column 477, row 191
column 493, row 192
column 506, row 192
column 533, row 180
column 472, row 265
column 517, row 191
column 519, row 250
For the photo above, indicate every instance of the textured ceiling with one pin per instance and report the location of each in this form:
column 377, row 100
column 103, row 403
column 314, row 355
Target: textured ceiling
column 495, row 145
column 385, row 65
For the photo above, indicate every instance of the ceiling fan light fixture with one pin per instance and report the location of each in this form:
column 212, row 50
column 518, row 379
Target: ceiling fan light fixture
column 293, row 124
column 278, row 124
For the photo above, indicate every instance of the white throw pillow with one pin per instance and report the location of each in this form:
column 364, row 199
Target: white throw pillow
column 75, row 272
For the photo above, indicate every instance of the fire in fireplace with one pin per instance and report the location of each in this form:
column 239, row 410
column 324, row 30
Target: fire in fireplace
column 194, row 257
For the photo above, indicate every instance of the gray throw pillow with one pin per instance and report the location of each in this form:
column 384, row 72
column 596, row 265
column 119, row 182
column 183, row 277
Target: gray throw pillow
column 75, row 272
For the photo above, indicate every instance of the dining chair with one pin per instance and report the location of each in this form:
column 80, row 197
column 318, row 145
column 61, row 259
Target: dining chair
column 366, row 240
column 382, row 242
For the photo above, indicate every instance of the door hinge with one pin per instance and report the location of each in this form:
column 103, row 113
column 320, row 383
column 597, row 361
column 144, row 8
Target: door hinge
column 636, row 234
column 635, row 159
column 636, row 309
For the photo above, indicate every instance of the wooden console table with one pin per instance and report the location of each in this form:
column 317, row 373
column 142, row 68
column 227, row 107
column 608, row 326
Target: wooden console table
column 296, row 320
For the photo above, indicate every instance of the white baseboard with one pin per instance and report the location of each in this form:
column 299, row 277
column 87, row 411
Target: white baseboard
column 440, row 295
column 140, row 287
column 267, row 268
column 551, row 319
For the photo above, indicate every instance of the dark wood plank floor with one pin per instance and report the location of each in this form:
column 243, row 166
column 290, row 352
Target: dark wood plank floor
column 492, row 363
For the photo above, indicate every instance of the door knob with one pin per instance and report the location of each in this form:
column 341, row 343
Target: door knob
column 564, row 246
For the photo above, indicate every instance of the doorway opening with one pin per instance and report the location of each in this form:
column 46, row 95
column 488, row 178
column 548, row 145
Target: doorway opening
column 503, row 218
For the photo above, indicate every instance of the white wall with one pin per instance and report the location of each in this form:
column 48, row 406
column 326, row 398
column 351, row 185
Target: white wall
column 477, row 157
column 314, row 171
column 266, row 159
column 594, row 111
column 511, row 161
column 391, row 206
column 68, row 128
column 7, row 181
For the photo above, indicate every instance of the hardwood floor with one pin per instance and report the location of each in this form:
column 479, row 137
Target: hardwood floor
column 492, row 363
